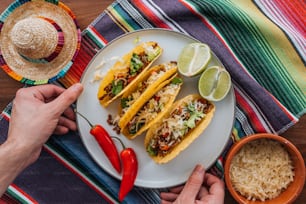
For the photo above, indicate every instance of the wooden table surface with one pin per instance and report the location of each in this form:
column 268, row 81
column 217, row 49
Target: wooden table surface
column 86, row 11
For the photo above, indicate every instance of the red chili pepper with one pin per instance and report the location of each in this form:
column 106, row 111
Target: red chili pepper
column 106, row 143
column 130, row 170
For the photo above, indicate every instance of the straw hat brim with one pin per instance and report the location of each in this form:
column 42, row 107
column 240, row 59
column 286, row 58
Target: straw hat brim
column 38, row 73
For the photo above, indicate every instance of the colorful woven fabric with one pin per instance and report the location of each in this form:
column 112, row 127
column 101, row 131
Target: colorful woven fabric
column 261, row 43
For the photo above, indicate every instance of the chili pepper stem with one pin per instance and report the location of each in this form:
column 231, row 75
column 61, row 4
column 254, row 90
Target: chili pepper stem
column 91, row 125
column 117, row 138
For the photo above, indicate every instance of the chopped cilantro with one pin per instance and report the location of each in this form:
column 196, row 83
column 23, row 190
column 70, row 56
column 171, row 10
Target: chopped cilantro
column 117, row 87
column 135, row 127
column 135, row 64
column 176, row 80
column 191, row 108
column 151, row 150
column 194, row 115
column 124, row 102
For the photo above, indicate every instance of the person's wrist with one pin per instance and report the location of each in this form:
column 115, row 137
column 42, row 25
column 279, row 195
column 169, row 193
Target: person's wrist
column 19, row 153
column 13, row 161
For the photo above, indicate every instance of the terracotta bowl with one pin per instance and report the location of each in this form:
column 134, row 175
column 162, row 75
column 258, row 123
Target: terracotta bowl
column 294, row 188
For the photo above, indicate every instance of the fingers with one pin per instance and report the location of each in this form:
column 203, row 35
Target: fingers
column 57, row 98
column 201, row 187
column 69, row 113
column 66, row 122
column 216, row 186
column 46, row 92
column 177, row 189
column 64, row 100
column 171, row 196
column 203, row 192
column 60, row 130
column 65, row 125
column 165, row 202
column 168, row 196
column 194, row 183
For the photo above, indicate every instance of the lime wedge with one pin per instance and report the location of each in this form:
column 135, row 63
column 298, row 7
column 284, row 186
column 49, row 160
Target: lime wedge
column 193, row 59
column 214, row 83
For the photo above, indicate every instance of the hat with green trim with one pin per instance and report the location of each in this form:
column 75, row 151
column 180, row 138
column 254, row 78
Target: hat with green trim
column 39, row 40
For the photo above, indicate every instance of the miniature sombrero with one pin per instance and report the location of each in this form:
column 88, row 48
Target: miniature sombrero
column 39, row 40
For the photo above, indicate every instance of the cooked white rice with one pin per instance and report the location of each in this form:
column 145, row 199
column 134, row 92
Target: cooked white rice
column 261, row 170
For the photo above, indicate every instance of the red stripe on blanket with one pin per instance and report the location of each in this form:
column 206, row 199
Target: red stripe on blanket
column 149, row 14
column 200, row 17
column 5, row 115
column 24, row 194
column 248, row 110
column 291, row 10
column 281, row 106
column 98, row 34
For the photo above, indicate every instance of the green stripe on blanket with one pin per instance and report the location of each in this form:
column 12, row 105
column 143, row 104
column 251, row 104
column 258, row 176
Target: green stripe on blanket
column 245, row 31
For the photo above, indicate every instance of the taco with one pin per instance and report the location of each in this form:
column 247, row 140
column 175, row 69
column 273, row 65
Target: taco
column 127, row 71
column 138, row 94
column 154, row 109
column 182, row 124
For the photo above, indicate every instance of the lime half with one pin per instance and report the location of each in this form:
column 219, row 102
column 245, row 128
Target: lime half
column 214, row 83
column 193, row 59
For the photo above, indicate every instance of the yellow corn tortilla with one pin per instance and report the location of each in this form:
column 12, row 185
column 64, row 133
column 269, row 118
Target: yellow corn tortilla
column 188, row 138
column 148, row 92
column 152, row 117
column 122, row 67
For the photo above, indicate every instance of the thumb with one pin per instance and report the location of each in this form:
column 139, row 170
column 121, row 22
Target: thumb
column 64, row 100
column 194, row 182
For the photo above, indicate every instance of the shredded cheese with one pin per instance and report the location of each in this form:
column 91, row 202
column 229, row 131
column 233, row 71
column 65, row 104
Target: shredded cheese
column 155, row 75
column 261, row 170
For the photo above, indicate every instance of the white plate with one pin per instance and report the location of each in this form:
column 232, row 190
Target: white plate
column 205, row 150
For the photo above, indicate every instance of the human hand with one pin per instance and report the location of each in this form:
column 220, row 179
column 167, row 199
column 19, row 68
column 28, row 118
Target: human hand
column 201, row 187
column 37, row 113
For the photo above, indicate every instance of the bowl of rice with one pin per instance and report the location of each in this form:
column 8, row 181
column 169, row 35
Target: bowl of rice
column 264, row 168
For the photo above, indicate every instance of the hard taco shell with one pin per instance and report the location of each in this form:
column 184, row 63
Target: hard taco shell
column 188, row 138
column 149, row 91
column 122, row 66
column 169, row 98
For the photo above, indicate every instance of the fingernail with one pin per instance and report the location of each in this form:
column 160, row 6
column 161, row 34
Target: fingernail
column 199, row 168
column 77, row 87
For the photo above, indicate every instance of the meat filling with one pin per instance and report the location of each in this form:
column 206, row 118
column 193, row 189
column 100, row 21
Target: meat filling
column 174, row 128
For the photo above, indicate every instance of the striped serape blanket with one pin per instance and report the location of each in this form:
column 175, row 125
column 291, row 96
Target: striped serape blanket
column 262, row 45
